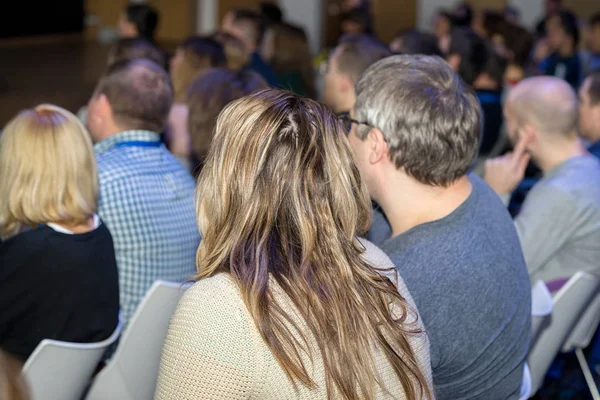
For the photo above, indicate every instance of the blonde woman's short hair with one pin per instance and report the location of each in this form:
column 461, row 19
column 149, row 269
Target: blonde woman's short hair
column 49, row 171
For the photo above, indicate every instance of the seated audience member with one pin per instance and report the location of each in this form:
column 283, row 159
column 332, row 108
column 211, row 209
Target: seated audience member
column 589, row 112
column 283, row 278
column 138, row 20
column 286, row 48
column 559, row 222
column 550, row 8
column 133, row 48
column 207, row 96
column 590, row 59
column 488, row 88
column 462, row 15
column 414, row 135
column 563, row 39
column 468, row 54
column 442, row 27
column 349, row 59
column 271, row 13
column 236, row 55
column 248, row 27
column 194, row 56
column 415, row 42
column 356, row 22
column 146, row 196
column 58, row 274
column 518, row 43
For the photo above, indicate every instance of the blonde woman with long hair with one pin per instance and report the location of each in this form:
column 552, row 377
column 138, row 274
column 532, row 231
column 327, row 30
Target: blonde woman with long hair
column 288, row 302
column 58, row 274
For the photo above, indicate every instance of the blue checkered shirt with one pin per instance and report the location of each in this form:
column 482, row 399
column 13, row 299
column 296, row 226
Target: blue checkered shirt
column 147, row 203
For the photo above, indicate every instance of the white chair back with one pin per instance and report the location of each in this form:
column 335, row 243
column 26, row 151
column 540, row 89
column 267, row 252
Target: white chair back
column 541, row 308
column 133, row 370
column 584, row 331
column 62, row 370
column 569, row 304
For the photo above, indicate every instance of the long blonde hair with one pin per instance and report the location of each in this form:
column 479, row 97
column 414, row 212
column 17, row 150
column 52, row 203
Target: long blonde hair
column 48, row 170
column 280, row 199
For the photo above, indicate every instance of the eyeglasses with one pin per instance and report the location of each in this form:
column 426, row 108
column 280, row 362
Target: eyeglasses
column 347, row 121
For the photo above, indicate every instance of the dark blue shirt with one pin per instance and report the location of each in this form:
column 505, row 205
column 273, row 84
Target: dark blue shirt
column 258, row 65
column 567, row 68
column 594, row 149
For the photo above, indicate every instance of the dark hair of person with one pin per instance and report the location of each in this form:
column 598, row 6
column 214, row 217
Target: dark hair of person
column 472, row 50
column 416, row 42
column 271, row 13
column 463, row 15
column 594, row 89
column 139, row 93
column 568, row 22
column 594, row 20
column 133, row 48
column 358, row 52
column 495, row 67
column 145, row 19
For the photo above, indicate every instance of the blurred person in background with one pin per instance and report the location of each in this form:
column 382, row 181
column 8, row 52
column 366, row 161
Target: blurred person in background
column 563, row 40
column 288, row 302
column 412, row 41
column 468, row 54
column 442, row 27
column 590, row 59
column 146, row 196
column 462, row 15
column 551, row 7
column 347, row 62
column 58, row 274
column 589, row 112
column 206, row 97
column 138, row 20
column 249, row 27
column 271, row 13
column 235, row 51
column 356, row 21
column 286, row 48
column 559, row 222
column 195, row 55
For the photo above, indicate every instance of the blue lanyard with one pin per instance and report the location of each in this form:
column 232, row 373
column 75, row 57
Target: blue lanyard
column 138, row 144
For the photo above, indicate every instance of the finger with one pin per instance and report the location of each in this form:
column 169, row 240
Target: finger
column 522, row 164
column 520, row 148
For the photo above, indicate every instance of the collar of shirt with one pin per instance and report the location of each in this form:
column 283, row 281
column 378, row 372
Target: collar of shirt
column 126, row 136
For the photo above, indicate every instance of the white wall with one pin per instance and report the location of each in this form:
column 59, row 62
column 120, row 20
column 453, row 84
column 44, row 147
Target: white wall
column 207, row 13
column 531, row 11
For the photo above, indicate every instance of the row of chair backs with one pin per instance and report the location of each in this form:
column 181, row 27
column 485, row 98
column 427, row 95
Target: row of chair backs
column 62, row 371
column 571, row 322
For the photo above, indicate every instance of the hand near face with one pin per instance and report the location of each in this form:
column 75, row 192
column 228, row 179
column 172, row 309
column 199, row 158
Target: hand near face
column 504, row 173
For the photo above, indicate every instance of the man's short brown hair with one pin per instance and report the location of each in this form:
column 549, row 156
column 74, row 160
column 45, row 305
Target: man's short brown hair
column 594, row 89
column 429, row 117
column 357, row 52
column 139, row 92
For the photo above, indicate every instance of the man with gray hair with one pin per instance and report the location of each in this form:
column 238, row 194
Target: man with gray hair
column 414, row 133
column 559, row 222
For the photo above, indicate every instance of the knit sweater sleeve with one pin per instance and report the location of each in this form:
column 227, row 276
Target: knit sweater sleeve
column 203, row 357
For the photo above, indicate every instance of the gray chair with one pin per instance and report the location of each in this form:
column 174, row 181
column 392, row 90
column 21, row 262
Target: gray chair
column 132, row 372
column 581, row 337
column 569, row 304
column 62, row 370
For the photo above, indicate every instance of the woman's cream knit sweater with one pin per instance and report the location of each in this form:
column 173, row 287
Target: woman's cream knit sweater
column 214, row 351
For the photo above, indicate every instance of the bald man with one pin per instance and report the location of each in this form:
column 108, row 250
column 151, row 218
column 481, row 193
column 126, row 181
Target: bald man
column 559, row 223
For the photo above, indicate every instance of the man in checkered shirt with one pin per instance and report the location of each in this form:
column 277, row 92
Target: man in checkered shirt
column 146, row 196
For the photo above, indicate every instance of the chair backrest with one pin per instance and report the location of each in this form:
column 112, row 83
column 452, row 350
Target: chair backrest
column 584, row 331
column 133, row 370
column 541, row 308
column 62, row 370
column 569, row 304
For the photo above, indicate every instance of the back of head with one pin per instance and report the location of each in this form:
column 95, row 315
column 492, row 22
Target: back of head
column 49, row 170
column 276, row 177
column 236, row 54
column 462, row 15
column 139, row 93
column 208, row 95
column 204, row 51
column 144, row 17
column 428, row 116
column 415, row 42
column 132, row 48
column 358, row 52
column 251, row 24
column 495, row 67
column 473, row 53
column 548, row 104
column 271, row 13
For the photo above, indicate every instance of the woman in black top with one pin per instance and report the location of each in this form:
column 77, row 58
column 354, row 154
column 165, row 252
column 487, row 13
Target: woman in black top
column 58, row 274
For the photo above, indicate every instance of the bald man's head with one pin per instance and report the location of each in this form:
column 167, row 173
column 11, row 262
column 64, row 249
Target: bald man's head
column 547, row 104
column 139, row 93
